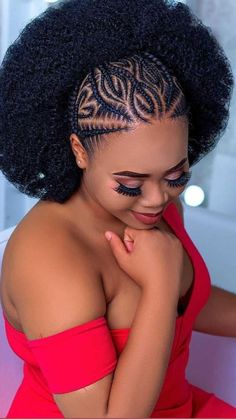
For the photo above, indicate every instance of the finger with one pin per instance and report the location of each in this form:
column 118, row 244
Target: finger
column 129, row 245
column 117, row 246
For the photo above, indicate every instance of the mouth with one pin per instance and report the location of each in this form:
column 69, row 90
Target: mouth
column 147, row 218
column 148, row 214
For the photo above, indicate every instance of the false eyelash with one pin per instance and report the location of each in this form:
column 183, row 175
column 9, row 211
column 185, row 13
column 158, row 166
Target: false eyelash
column 181, row 181
column 122, row 189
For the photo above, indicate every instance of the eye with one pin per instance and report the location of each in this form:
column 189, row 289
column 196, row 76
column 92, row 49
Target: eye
column 180, row 181
column 124, row 190
column 174, row 183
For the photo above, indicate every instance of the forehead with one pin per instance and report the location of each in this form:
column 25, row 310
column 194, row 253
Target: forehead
column 163, row 142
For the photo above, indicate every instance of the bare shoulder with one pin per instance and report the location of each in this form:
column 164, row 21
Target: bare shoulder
column 55, row 286
column 42, row 232
column 50, row 277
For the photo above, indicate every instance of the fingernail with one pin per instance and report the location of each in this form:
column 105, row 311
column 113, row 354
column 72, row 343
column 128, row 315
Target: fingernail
column 129, row 245
column 108, row 236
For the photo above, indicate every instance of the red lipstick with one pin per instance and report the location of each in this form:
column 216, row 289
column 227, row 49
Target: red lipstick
column 147, row 218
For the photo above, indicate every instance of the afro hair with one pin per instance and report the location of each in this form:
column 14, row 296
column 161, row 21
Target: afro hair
column 59, row 48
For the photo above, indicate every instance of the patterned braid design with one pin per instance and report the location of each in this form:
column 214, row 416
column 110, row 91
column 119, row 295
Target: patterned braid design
column 118, row 95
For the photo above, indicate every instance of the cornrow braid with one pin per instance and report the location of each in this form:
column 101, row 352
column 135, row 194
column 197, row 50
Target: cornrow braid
column 116, row 96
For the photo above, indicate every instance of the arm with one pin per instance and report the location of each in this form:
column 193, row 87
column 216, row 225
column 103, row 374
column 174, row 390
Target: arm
column 133, row 388
column 218, row 316
column 142, row 365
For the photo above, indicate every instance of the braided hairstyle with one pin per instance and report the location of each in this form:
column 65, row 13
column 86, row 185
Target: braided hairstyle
column 94, row 67
column 118, row 95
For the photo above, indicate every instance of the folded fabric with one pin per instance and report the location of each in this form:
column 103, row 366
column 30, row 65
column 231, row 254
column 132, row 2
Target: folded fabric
column 76, row 357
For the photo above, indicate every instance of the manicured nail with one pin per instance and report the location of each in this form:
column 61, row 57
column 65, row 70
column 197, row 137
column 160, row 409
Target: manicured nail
column 108, row 236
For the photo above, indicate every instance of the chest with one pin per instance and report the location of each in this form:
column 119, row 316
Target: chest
column 123, row 294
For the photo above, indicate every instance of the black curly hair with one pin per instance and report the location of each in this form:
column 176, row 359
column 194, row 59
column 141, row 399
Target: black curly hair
column 42, row 71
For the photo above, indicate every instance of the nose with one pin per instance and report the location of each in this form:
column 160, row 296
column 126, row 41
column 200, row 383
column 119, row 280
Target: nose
column 154, row 198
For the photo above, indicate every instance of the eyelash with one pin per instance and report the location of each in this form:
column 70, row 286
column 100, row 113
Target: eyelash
column 177, row 183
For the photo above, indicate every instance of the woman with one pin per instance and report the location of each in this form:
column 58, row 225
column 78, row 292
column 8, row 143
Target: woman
column 105, row 106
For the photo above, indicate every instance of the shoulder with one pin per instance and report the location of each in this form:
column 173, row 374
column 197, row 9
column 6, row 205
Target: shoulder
column 45, row 237
column 47, row 268
column 44, row 223
column 40, row 231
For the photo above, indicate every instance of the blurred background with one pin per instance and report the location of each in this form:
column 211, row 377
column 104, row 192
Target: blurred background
column 213, row 183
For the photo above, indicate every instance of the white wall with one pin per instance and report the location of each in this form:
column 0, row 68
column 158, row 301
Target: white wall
column 216, row 173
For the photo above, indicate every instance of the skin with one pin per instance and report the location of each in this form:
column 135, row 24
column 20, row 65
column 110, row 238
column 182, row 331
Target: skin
column 96, row 208
column 150, row 148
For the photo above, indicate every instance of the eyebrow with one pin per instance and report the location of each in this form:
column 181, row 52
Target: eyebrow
column 137, row 175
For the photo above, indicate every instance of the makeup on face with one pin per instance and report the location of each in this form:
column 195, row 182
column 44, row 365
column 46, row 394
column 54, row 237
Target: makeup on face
column 147, row 219
column 139, row 172
column 178, row 182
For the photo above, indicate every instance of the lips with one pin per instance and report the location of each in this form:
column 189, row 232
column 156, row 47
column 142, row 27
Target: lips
column 147, row 214
column 147, row 218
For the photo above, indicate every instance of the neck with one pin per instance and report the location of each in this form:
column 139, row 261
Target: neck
column 95, row 219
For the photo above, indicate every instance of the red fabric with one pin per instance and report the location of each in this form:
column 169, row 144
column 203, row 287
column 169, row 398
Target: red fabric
column 84, row 354
column 91, row 340
column 59, row 364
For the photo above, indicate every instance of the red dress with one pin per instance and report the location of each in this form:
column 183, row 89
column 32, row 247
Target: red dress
column 79, row 356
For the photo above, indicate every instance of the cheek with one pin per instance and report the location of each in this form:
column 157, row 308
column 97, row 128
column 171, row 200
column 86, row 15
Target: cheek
column 114, row 200
column 175, row 192
column 110, row 187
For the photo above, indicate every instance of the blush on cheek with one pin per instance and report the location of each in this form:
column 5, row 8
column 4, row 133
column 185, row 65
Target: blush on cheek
column 112, row 184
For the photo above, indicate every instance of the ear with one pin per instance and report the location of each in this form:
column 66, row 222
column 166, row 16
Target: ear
column 78, row 150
